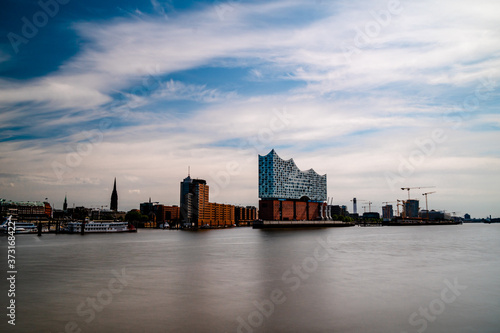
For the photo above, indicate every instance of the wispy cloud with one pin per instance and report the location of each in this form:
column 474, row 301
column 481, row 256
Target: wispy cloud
column 175, row 90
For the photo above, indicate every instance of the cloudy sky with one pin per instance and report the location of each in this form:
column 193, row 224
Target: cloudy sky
column 378, row 95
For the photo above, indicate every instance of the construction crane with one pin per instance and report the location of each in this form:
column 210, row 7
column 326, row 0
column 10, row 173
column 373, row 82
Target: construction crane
column 369, row 205
column 426, row 206
column 402, row 205
column 414, row 188
column 354, row 204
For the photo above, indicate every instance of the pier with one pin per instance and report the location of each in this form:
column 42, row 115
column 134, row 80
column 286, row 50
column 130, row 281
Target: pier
column 299, row 224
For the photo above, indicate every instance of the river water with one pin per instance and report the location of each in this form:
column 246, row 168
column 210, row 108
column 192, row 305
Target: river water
column 372, row 279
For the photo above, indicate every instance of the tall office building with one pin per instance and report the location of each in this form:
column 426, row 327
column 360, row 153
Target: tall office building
column 194, row 205
column 114, row 199
column 185, row 200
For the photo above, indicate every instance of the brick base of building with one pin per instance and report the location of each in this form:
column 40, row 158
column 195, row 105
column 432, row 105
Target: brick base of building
column 289, row 210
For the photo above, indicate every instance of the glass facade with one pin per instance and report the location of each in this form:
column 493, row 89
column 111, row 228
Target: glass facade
column 411, row 208
column 280, row 179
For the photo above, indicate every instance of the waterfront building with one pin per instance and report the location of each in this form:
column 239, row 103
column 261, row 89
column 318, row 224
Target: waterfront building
column 282, row 179
column 245, row 215
column 410, row 208
column 114, row 199
column 148, row 208
column 194, row 204
column 286, row 192
column 100, row 214
column 29, row 211
column 48, row 209
column 435, row 215
column 159, row 214
column 218, row 215
column 338, row 210
column 79, row 213
column 371, row 215
column 201, row 211
column 197, row 211
column 169, row 214
column 387, row 213
column 185, row 199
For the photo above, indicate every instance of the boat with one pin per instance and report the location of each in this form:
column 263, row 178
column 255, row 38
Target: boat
column 99, row 227
column 19, row 227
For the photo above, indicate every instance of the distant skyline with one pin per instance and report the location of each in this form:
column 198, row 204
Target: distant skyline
column 378, row 95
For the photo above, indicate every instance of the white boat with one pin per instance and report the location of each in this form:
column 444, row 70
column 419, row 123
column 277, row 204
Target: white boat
column 94, row 227
column 19, row 227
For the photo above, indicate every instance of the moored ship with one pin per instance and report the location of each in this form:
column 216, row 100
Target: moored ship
column 18, row 227
column 99, row 227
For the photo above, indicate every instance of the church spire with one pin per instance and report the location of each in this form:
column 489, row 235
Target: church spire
column 65, row 205
column 114, row 198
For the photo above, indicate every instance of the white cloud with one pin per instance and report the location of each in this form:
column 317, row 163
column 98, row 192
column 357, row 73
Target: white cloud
column 176, row 90
column 55, row 93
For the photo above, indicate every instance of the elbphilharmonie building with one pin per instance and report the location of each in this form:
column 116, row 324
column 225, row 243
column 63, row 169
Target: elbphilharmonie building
column 282, row 179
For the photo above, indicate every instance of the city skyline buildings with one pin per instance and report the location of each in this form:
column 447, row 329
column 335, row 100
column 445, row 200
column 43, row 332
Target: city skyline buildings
column 413, row 102
column 197, row 211
column 202, row 191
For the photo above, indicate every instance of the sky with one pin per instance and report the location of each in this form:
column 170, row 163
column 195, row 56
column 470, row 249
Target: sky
column 378, row 95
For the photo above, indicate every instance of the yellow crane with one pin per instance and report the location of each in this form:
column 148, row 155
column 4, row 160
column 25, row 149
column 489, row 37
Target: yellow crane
column 364, row 207
column 426, row 206
column 369, row 205
column 414, row 188
column 402, row 207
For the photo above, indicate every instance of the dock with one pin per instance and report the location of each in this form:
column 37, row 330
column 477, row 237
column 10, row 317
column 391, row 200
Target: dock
column 299, row 224
column 415, row 222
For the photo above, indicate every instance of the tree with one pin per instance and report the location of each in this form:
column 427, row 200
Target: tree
column 135, row 216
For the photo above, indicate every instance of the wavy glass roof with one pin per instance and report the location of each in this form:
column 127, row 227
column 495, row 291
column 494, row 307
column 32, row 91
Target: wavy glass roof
column 282, row 179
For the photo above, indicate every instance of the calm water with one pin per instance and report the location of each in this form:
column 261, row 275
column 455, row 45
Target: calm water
column 380, row 279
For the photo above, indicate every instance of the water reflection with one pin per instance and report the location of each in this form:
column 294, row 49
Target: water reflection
column 363, row 280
